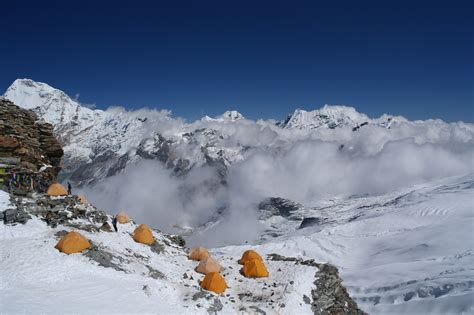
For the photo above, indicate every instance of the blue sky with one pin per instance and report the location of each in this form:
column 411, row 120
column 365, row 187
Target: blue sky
column 262, row 58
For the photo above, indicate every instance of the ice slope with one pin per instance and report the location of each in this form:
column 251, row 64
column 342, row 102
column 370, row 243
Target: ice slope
column 406, row 252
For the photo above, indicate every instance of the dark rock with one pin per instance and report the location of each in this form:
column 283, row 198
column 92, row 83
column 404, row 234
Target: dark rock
column 279, row 206
column 177, row 239
column 61, row 233
column 106, row 227
column 155, row 274
column 157, row 247
column 216, row 306
column 14, row 216
column 104, row 258
column 257, row 310
column 310, row 221
column 199, row 295
column 330, row 296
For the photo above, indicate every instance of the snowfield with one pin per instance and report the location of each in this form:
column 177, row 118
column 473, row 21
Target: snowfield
column 37, row 278
column 408, row 252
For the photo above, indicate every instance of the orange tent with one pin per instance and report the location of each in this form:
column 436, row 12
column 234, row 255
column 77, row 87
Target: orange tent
column 214, row 282
column 208, row 265
column 122, row 217
column 143, row 234
column 255, row 269
column 249, row 255
column 83, row 199
column 198, row 253
column 57, row 189
column 73, row 242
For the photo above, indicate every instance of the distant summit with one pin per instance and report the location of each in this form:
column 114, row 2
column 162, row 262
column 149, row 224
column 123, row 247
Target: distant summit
column 230, row 115
column 334, row 116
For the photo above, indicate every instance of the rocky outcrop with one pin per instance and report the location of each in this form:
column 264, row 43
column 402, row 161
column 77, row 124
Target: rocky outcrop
column 278, row 206
column 309, row 221
column 29, row 153
column 14, row 216
column 329, row 297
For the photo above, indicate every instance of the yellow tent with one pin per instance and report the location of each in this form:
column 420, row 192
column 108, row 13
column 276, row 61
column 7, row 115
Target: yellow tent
column 73, row 242
column 255, row 269
column 122, row 217
column 208, row 265
column 83, row 199
column 198, row 253
column 249, row 255
column 214, row 282
column 143, row 234
column 57, row 189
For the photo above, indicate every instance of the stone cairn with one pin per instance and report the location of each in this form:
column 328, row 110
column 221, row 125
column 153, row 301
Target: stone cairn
column 29, row 153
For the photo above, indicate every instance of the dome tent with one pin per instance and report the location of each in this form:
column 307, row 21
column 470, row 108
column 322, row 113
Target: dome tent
column 208, row 265
column 255, row 269
column 214, row 282
column 73, row 242
column 249, row 255
column 198, row 253
column 56, row 189
column 122, row 217
column 143, row 234
column 82, row 199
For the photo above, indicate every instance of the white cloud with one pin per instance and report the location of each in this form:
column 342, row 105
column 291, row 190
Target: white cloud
column 301, row 165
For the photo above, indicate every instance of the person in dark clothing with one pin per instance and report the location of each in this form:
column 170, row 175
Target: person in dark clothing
column 114, row 223
column 69, row 188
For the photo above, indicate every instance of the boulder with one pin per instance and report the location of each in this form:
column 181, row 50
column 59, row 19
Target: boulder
column 12, row 216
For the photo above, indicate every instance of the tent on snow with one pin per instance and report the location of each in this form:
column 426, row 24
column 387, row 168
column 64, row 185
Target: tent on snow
column 73, row 242
column 56, row 189
column 83, row 199
column 255, row 269
column 143, row 234
column 198, row 253
column 122, row 217
column 249, row 255
column 208, row 265
column 214, row 282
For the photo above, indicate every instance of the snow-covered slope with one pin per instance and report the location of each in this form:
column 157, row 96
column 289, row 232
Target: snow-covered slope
column 119, row 275
column 409, row 251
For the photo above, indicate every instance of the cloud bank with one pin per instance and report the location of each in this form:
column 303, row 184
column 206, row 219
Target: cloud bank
column 301, row 165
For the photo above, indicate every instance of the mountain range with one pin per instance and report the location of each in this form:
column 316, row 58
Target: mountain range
column 101, row 143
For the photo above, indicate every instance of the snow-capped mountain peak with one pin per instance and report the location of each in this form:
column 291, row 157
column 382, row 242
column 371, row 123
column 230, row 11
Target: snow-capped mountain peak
column 330, row 116
column 52, row 105
column 231, row 115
